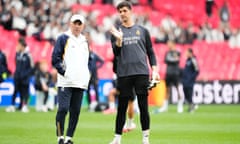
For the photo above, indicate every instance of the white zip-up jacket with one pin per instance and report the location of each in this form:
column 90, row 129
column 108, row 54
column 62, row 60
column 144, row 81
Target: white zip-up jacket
column 70, row 57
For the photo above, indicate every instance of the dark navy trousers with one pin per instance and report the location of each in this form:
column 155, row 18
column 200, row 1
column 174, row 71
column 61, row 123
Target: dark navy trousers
column 69, row 100
column 188, row 92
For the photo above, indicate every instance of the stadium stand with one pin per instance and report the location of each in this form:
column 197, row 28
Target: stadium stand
column 217, row 60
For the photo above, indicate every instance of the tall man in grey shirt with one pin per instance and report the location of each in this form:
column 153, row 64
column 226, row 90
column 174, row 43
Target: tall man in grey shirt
column 132, row 45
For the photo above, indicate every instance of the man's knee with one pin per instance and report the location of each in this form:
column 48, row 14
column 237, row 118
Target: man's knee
column 63, row 109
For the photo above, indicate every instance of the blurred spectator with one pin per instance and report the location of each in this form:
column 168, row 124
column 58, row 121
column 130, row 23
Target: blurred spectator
column 180, row 33
column 32, row 28
column 189, row 75
column 224, row 13
column 52, row 90
column 161, row 36
column 217, row 35
column 19, row 22
column 172, row 78
column 205, row 32
column 191, row 34
column 209, row 4
column 226, row 32
column 22, row 75
column 168, row 23
column 6, row 17
column 95, row 62
column 98, row 36
column 3, row 67
column 45, row 20
column 42, row 82
column 234, row 40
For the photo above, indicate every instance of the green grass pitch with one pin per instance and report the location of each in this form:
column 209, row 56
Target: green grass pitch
column 210, row 124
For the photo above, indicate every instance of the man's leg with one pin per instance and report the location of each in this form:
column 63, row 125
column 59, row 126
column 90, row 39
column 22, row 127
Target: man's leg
column 111, row 102
column 74, row 110
column 44, row 105
column 11, row 108
column 188, row 91
column 25, row 95
column 125, row 86
column 121, row 114
column 130, row 110
column 95, row 85
column 130, row 125
column 186, row 94
column 141, row 85
column 120, row 119
column 164, row 106
column 144, row 114
column 180, row 99
column 64, row 97
column 92, row 98
column 17, row 84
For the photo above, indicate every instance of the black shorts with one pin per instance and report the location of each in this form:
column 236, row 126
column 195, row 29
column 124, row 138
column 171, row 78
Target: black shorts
column 131, row 97
column 138, row 83
column 172, row 80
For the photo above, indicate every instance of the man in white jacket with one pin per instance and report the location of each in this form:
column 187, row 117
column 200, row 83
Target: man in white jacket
column 70, row 58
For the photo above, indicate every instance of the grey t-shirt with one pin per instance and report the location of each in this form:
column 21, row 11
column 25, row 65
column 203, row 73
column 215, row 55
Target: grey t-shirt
column 132, row 57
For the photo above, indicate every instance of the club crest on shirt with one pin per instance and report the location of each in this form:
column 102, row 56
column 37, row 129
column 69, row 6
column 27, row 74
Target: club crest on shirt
column 137, row 32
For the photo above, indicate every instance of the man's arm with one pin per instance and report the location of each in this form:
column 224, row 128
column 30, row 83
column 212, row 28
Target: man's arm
column 151, row 56
column 58, row 53
column 4, row 62
column 100, row 61
column 149, row 48
column 116, row 40
column 195, row 66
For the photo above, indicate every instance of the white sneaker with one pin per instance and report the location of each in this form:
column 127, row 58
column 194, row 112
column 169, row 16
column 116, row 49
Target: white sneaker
column 163, row 109
column 129, row 127
column 145, row 141
column 110, row 111
column 25, row 109
column 115, row 142
column 10, row 109
column 160, row 110
column 44, row 108
column 92, row 106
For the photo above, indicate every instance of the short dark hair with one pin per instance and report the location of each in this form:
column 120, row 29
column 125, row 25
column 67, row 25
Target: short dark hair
column 22, row 41
column 124, row 4
column 190, row 50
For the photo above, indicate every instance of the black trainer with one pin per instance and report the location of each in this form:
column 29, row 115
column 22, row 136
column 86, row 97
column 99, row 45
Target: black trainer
column 69, row 142
column 191, row 108
column 61, row 141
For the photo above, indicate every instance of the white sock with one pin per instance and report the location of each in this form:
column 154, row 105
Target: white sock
column 117, row 137
column 60, row 137
column 145, row 133
column 111, row 105
column 130, row 121
column 68, row 138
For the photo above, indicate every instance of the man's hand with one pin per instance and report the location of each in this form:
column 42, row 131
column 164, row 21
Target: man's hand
column 155, row 75
column 155, row 78
column 118, row 34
